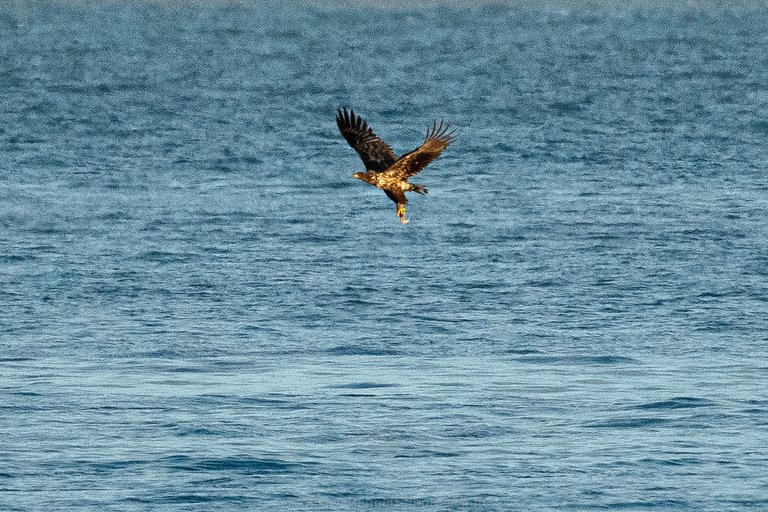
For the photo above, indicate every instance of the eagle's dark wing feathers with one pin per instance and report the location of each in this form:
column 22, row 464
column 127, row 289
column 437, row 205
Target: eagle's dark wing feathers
column 377, row 155
column 438, row 138
column 397, row 196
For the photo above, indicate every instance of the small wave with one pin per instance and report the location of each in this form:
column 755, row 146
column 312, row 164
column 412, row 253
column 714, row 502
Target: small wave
column 569, row 107
column 628, row 423
column 682, row 402
column 677, row 461
column 420, row 454
column 162, row 256
column 649, row 504
column 580, row 360
column 522, row 351
column 363, row 385
column 344, row 350
column 383, row 503
column 759, row 127
column 274, row 403
column 27, row 394
column 188, row 498
column 14, row 258
column 248, row 465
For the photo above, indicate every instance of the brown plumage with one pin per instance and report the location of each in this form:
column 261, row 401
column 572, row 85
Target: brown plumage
column 383, row 169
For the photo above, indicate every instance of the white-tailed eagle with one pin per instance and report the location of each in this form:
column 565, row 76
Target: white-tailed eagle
column 383, row 169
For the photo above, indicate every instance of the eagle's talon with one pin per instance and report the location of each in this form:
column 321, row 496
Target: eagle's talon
column 401, row 214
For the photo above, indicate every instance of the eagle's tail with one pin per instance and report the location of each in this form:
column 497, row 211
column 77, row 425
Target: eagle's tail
column 419, row 189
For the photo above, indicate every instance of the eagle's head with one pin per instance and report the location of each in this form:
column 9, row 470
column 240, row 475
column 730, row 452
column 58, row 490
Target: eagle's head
column 364, row 176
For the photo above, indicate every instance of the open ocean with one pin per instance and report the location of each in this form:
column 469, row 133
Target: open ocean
column 201, row 310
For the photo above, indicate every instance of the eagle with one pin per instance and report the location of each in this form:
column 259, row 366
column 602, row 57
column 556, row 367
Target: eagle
column 383, row 169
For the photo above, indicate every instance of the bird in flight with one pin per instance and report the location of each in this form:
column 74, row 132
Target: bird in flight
column 383, row 169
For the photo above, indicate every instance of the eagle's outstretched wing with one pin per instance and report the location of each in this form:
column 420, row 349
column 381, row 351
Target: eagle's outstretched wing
column 377, row 155
column 438, row 138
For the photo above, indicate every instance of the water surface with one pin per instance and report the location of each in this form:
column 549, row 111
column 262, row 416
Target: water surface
column 202, row 310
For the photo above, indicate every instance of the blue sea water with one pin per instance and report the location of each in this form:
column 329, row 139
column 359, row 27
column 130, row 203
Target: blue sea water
column 202, row 310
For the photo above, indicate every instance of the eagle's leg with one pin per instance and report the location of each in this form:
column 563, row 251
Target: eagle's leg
column 401, row 213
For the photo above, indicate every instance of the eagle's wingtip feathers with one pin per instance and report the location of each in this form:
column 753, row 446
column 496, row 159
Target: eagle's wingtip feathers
column 442, row 132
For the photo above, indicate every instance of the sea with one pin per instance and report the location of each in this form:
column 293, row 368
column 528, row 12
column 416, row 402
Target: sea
column 201, row 309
